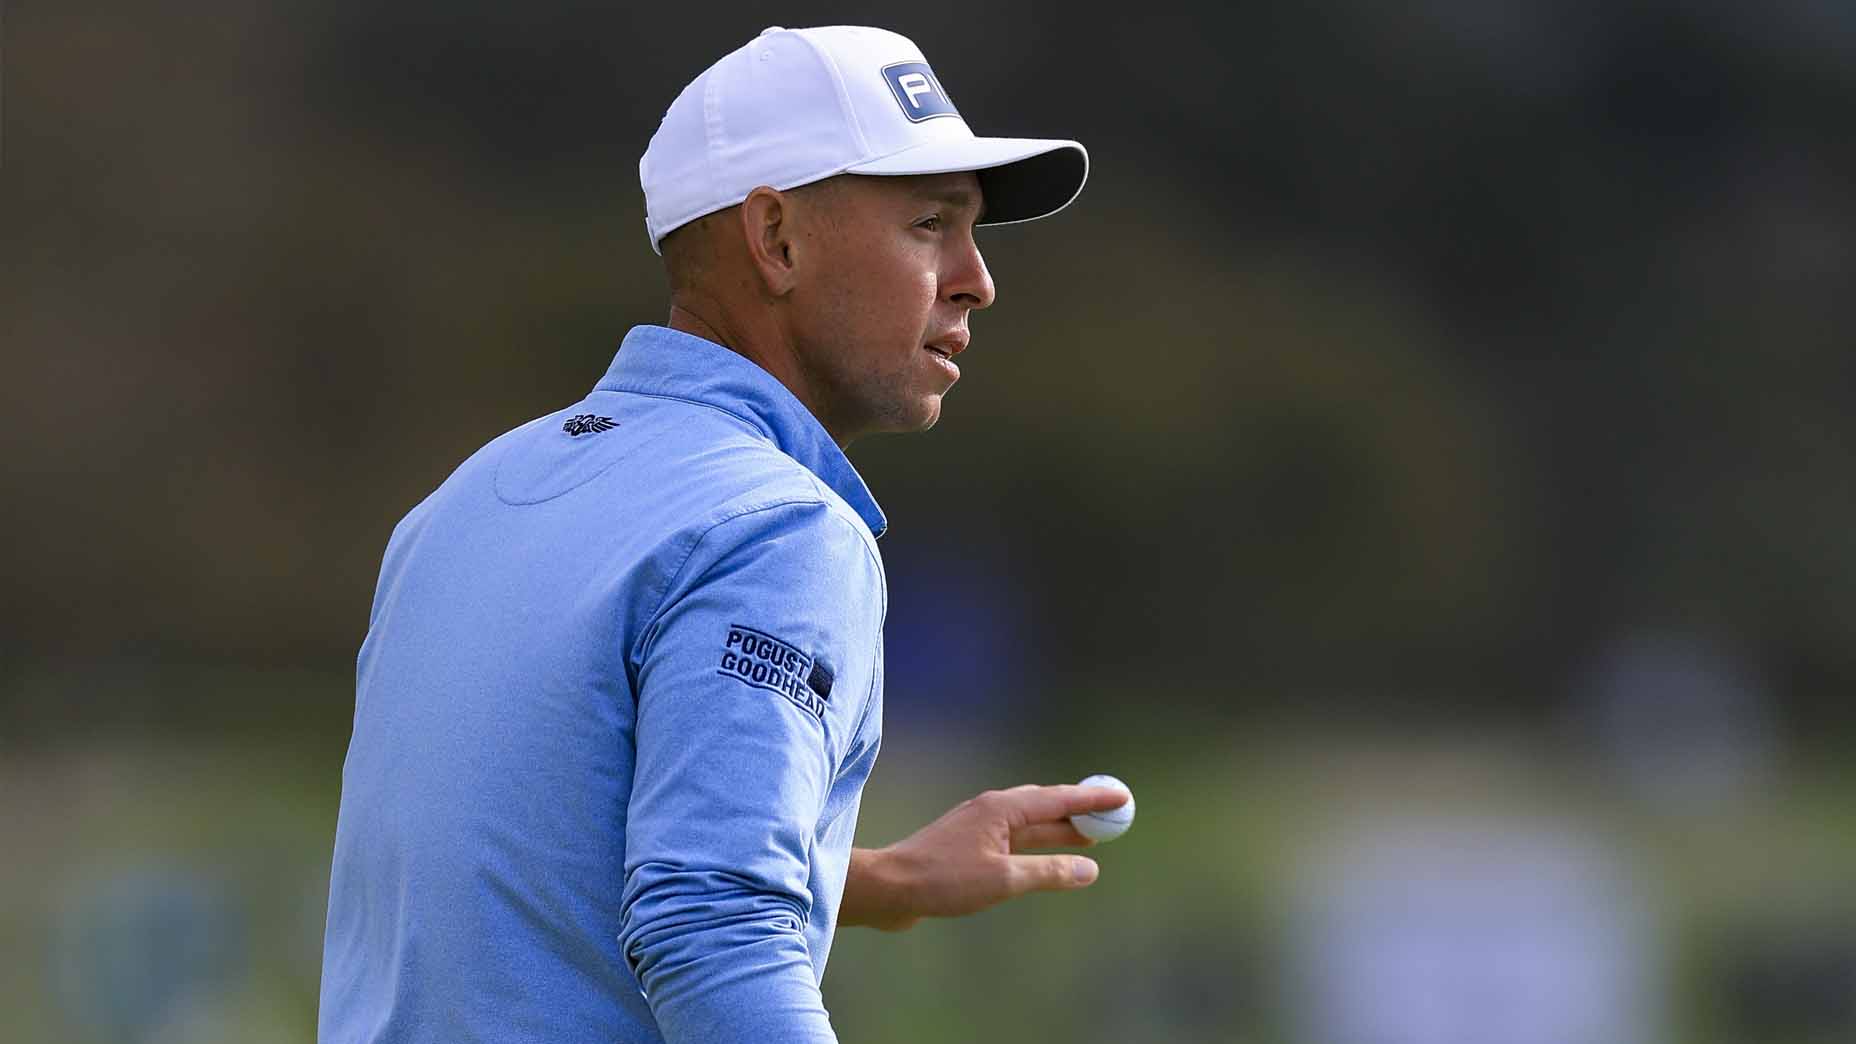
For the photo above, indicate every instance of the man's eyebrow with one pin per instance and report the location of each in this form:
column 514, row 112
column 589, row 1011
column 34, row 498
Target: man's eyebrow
column 958, row 197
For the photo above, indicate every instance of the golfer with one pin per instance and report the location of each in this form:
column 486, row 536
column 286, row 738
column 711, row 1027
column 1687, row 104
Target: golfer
column 623, row 677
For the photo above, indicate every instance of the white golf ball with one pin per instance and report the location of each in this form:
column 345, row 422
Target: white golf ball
column 1108, row 825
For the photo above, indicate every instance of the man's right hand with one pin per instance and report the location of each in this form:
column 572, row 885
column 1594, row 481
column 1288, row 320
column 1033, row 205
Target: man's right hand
column 975, row 856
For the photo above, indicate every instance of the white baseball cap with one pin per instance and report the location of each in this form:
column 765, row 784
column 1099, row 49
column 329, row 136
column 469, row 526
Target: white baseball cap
column 794, row 106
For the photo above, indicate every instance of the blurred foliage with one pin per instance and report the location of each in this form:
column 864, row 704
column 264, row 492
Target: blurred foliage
column 1421, row 347
column 1188, row 936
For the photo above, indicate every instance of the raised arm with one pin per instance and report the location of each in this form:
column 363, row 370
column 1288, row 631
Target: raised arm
column 974, row 857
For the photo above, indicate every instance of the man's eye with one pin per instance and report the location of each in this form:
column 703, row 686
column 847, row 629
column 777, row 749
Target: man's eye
column 930, row 223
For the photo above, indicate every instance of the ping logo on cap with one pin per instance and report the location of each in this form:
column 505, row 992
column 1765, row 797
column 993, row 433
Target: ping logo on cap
column 917, row 91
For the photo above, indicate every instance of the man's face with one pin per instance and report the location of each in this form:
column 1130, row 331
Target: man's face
column 892, row 271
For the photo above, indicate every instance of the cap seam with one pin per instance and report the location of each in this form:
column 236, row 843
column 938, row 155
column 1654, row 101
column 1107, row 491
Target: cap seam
column 712, row 130
column 844, row 95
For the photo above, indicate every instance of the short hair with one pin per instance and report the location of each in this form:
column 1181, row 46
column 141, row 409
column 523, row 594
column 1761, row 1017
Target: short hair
column 689, row 253
column 690, row 250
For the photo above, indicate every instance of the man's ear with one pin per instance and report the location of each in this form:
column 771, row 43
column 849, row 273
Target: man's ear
column 768, row 227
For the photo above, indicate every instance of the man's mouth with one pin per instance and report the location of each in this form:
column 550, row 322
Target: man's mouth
column 944, row 351
column 949, row 345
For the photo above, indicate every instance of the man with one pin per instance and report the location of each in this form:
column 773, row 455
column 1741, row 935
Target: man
column 622, row 684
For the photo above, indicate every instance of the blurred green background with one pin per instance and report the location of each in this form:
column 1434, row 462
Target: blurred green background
column 1420, row 465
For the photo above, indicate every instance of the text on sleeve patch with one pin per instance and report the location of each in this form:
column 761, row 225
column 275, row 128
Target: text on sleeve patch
column 757, row 658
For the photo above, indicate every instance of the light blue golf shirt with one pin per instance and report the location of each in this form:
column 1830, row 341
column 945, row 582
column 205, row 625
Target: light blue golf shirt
column 620, row 693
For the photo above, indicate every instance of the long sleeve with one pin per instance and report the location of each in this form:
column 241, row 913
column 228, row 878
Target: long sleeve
column 752, row 680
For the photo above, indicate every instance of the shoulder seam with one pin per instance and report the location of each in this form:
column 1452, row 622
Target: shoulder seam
column 690, row 553
column 870, row 555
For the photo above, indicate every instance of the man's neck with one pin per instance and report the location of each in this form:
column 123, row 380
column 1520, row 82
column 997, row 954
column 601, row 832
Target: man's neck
column 764, row 348
column 686, row 320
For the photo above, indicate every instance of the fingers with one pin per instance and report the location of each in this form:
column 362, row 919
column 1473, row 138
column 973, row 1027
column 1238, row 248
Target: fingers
column 1051, row 873
column 1060, row 834
column 1035, row 804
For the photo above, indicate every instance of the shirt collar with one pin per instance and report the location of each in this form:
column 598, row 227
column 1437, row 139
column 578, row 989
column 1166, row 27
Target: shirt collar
column 656, row 360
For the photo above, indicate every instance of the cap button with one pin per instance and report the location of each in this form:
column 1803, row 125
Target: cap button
column 773, row 29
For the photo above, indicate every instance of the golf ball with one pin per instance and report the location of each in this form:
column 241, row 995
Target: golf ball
column 1110, row 824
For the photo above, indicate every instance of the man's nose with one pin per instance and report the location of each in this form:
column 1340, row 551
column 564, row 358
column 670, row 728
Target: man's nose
column 968, row 282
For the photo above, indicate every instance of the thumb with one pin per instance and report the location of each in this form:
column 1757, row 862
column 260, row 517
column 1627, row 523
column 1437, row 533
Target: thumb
column 1051, row 873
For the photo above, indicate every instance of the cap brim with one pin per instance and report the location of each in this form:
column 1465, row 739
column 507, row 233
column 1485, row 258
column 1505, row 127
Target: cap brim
column 1022, row 178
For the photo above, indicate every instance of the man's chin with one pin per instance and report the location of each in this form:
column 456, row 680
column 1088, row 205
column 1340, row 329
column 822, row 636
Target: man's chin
column 930, row 414
column 916, row 416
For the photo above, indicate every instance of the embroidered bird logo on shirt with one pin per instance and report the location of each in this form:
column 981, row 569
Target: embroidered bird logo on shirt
column 588, row 424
